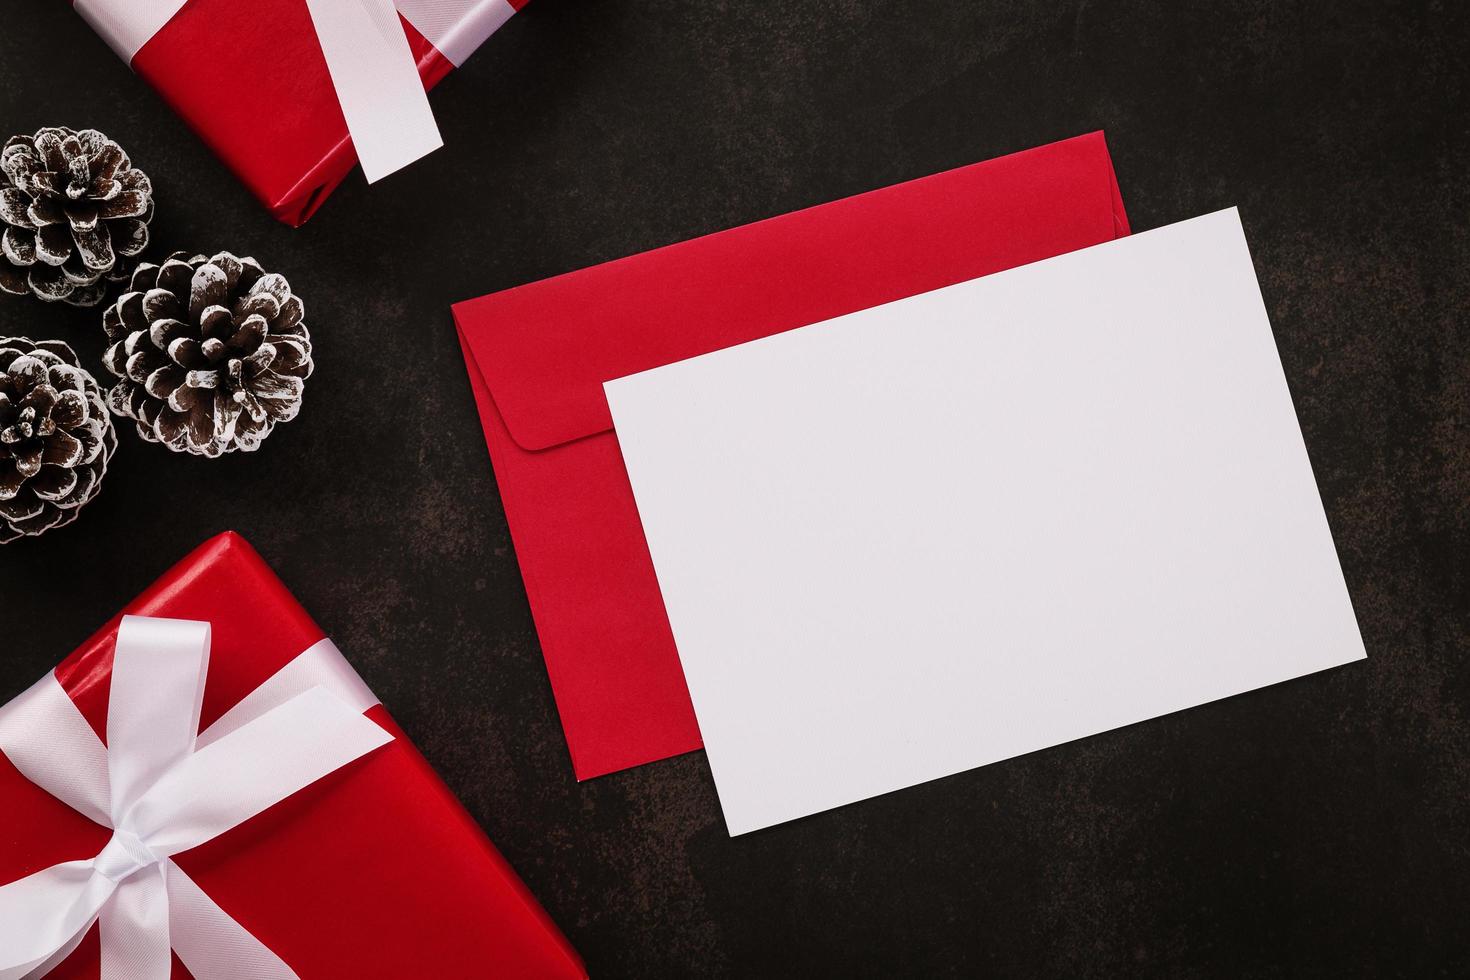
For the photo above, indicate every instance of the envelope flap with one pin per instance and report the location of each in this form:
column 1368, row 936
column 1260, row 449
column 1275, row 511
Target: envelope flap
column 545, row 349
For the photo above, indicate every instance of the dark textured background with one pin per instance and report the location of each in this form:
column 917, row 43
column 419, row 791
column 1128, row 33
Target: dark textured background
column 1317, row 828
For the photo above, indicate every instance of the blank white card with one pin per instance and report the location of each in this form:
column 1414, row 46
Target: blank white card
column 982, row 521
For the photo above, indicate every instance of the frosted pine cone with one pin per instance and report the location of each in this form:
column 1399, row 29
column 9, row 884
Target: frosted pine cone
column 212, row 353
column 55, row 437
column 74, row 211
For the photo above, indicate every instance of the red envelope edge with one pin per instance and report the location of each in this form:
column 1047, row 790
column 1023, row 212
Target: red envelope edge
column 251, row 80
column 539, row 354
column 375, row 871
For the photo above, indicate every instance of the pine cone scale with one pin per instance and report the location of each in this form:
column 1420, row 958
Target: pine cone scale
column 129, row 237
column 82, row 216
column 289, row 356
column 70, row 409
column 226, row 416
column 63, row 449
column 189, row 353
column 48, row 144
column 163, row 382
column 215, row 320
column 270, row 386
column 105, row 164
column 45, row 212
column 158, row 303
column 87, row 481
column 40, row 398
column 263, row 358
column 15, row 208
column 19, row 246
column 15, row 510
column 95, row 247
column 206, row 288
column 53, row 244
column 54, row 483
column 252, row 333
column 46, row 281
column 184, row 399
column 75, row 271
column 165, row 331
column 125, row 204
column 131, row 314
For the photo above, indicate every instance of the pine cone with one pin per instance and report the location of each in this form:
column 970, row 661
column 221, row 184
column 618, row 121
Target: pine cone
column 73, row 210
column 212, row 353
column 55, row 436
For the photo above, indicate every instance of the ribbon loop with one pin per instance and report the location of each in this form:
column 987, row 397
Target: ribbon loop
column 153, row 714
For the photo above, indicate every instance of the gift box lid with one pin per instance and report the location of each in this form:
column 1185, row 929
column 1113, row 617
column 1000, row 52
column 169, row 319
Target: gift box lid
column 374, row 871
column 251, row 80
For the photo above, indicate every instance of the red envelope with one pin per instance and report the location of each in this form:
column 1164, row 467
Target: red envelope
column 538, row 355
column 374, row 871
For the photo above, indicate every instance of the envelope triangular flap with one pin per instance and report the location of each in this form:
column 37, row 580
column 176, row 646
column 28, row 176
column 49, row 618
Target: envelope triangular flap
column 545, row 349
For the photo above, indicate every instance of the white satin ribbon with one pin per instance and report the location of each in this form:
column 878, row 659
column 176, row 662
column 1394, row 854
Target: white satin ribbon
column 163, row 789
column 456, row 27
column 368, row 57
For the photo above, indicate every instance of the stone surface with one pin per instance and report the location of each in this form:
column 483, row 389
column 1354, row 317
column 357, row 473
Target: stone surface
column 1317, row 828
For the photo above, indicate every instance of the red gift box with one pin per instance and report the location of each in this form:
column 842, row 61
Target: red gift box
column 374, row 871
column 251, row 80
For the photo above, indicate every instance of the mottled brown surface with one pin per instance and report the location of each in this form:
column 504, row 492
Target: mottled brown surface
column 1317, row 828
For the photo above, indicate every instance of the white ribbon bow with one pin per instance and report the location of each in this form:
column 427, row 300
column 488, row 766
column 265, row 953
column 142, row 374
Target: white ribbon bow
column 371, row 64
column 164, row 789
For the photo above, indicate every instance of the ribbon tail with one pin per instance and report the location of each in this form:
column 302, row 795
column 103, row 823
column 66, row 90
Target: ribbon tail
column 377, row 83
column 210, row 942
column 45, row 915
column 135, row 929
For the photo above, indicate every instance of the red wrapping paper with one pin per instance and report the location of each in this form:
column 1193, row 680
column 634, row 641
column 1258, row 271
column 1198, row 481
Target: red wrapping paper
column 375, row 871
column 251, row 80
